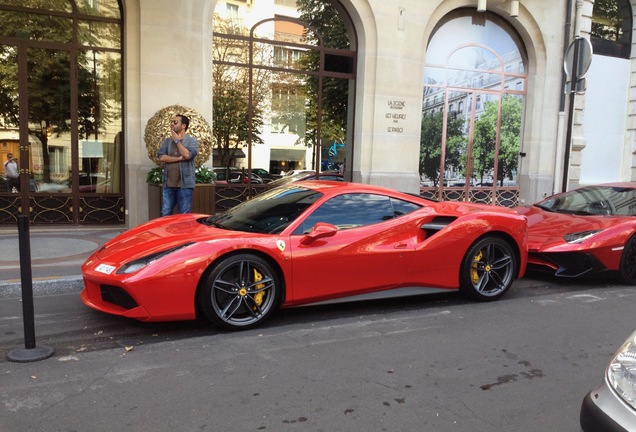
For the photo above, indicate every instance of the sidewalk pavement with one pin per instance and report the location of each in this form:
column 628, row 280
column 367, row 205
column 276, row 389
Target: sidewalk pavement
column 57, row 255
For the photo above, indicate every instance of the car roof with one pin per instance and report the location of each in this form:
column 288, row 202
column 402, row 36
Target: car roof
column 621, row 185
column 614, row 184
column 343, row 186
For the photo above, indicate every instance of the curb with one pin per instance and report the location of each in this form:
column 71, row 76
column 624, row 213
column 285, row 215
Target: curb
column 62, row 285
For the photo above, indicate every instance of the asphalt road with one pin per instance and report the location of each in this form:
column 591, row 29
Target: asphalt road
column 429, row 363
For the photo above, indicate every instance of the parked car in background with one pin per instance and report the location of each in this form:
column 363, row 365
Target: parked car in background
column 35, row 186
column 308, row 175
column 235, row 176
column 302, row 243
column 611, row 407
column 93, row 182
column 585, row 231
column 265, row 175
column 294, row 172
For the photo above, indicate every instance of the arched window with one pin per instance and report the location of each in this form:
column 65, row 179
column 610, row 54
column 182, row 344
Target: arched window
column 476, row 62
column 61, row 110
column 611, row 33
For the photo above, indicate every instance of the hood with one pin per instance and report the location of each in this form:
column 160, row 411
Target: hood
column 547, row 229
column 159, row 235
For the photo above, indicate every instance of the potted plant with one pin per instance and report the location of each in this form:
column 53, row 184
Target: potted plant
column 202, row 199
column 203, row 175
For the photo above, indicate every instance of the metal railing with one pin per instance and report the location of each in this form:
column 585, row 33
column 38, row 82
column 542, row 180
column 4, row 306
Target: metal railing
column 505, row 196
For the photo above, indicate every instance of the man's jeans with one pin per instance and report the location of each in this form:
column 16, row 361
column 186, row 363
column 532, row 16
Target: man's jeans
column 182, row 197
column 12, row 183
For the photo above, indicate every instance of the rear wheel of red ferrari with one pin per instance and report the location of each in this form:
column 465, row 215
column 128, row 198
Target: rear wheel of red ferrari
column 240, row 292
column 627, row 269
column 488, row 269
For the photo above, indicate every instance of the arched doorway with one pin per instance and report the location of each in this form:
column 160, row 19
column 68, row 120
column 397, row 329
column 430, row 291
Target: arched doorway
column 283, row 80
column 472, row 110
column 61, row 111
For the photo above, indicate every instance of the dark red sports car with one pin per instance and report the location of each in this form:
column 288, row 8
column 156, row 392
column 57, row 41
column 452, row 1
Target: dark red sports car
column 303, row 243
column 584, row 231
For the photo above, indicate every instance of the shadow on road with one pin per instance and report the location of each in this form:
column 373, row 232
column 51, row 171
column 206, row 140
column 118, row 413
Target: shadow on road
column 64, row 323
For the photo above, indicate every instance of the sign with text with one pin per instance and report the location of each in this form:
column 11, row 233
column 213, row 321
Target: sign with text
column 396, row 115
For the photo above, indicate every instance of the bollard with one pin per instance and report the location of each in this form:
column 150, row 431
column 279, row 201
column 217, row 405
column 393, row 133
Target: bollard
column 30, row 352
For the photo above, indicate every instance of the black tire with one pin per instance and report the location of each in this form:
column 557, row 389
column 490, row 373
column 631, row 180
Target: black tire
column 627, row 268
column 488, row 269
column 241, row 292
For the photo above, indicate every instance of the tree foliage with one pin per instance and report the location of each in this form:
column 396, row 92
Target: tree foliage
column 607, row 20
column 431, row 144
column 509, row 138
column 324, row 19
column 484, row 142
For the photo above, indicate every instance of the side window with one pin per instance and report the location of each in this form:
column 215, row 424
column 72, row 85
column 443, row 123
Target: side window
column 402, row 207
column 625, row 202
column 356, row 210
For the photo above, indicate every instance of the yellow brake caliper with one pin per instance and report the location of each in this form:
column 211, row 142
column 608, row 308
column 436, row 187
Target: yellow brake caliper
column 474, row 274
column 258, row 298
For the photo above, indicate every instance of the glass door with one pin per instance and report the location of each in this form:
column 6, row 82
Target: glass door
column 9, row 134
column 51, row 149
column 61, row 112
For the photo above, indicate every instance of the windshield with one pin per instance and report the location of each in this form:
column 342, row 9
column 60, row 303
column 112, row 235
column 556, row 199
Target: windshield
column 593, row 200
column 267, row 213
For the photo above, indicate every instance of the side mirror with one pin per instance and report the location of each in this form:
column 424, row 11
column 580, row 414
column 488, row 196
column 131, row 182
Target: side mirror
column 320, row 230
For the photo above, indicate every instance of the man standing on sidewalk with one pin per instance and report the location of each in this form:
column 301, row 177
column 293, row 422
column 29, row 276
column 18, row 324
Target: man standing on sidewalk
column 177, row 153
column 12, row 173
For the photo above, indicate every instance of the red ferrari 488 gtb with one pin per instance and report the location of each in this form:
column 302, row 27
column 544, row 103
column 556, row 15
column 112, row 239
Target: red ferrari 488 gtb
column 302, row 243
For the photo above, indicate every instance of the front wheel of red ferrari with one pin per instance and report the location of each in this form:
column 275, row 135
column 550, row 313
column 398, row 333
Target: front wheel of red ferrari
column 240, row 292
column 488, row 269
column 627, row 269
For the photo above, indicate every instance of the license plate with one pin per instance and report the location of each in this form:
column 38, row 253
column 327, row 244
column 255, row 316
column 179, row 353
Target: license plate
column 105, row 268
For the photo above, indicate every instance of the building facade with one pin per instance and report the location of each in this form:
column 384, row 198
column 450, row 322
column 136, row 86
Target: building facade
column 127, row 60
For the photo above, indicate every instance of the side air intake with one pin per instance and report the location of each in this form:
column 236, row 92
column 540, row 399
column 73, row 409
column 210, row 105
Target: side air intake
column 437, row 224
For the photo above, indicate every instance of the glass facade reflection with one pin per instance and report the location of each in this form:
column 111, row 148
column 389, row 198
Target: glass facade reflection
column 472, row 111
column 285, row 72
column 61, row 111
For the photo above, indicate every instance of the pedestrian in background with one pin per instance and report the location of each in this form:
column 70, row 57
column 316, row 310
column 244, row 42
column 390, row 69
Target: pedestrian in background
column 12, row 174
column 177, row 153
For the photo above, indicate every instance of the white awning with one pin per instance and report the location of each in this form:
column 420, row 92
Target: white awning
column 287, row 154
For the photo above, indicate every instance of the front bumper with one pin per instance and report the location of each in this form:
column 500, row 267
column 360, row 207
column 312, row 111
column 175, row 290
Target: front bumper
column 567, row 264
column 603, row 410
column 95, row 296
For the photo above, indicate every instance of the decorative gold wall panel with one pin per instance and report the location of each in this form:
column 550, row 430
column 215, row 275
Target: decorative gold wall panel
column 158, row 128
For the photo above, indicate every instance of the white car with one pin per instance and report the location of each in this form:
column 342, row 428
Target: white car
column 611, row 407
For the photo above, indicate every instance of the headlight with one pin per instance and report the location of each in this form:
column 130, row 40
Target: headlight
column 621, row 372
column 580, row 237
column 140, row 263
